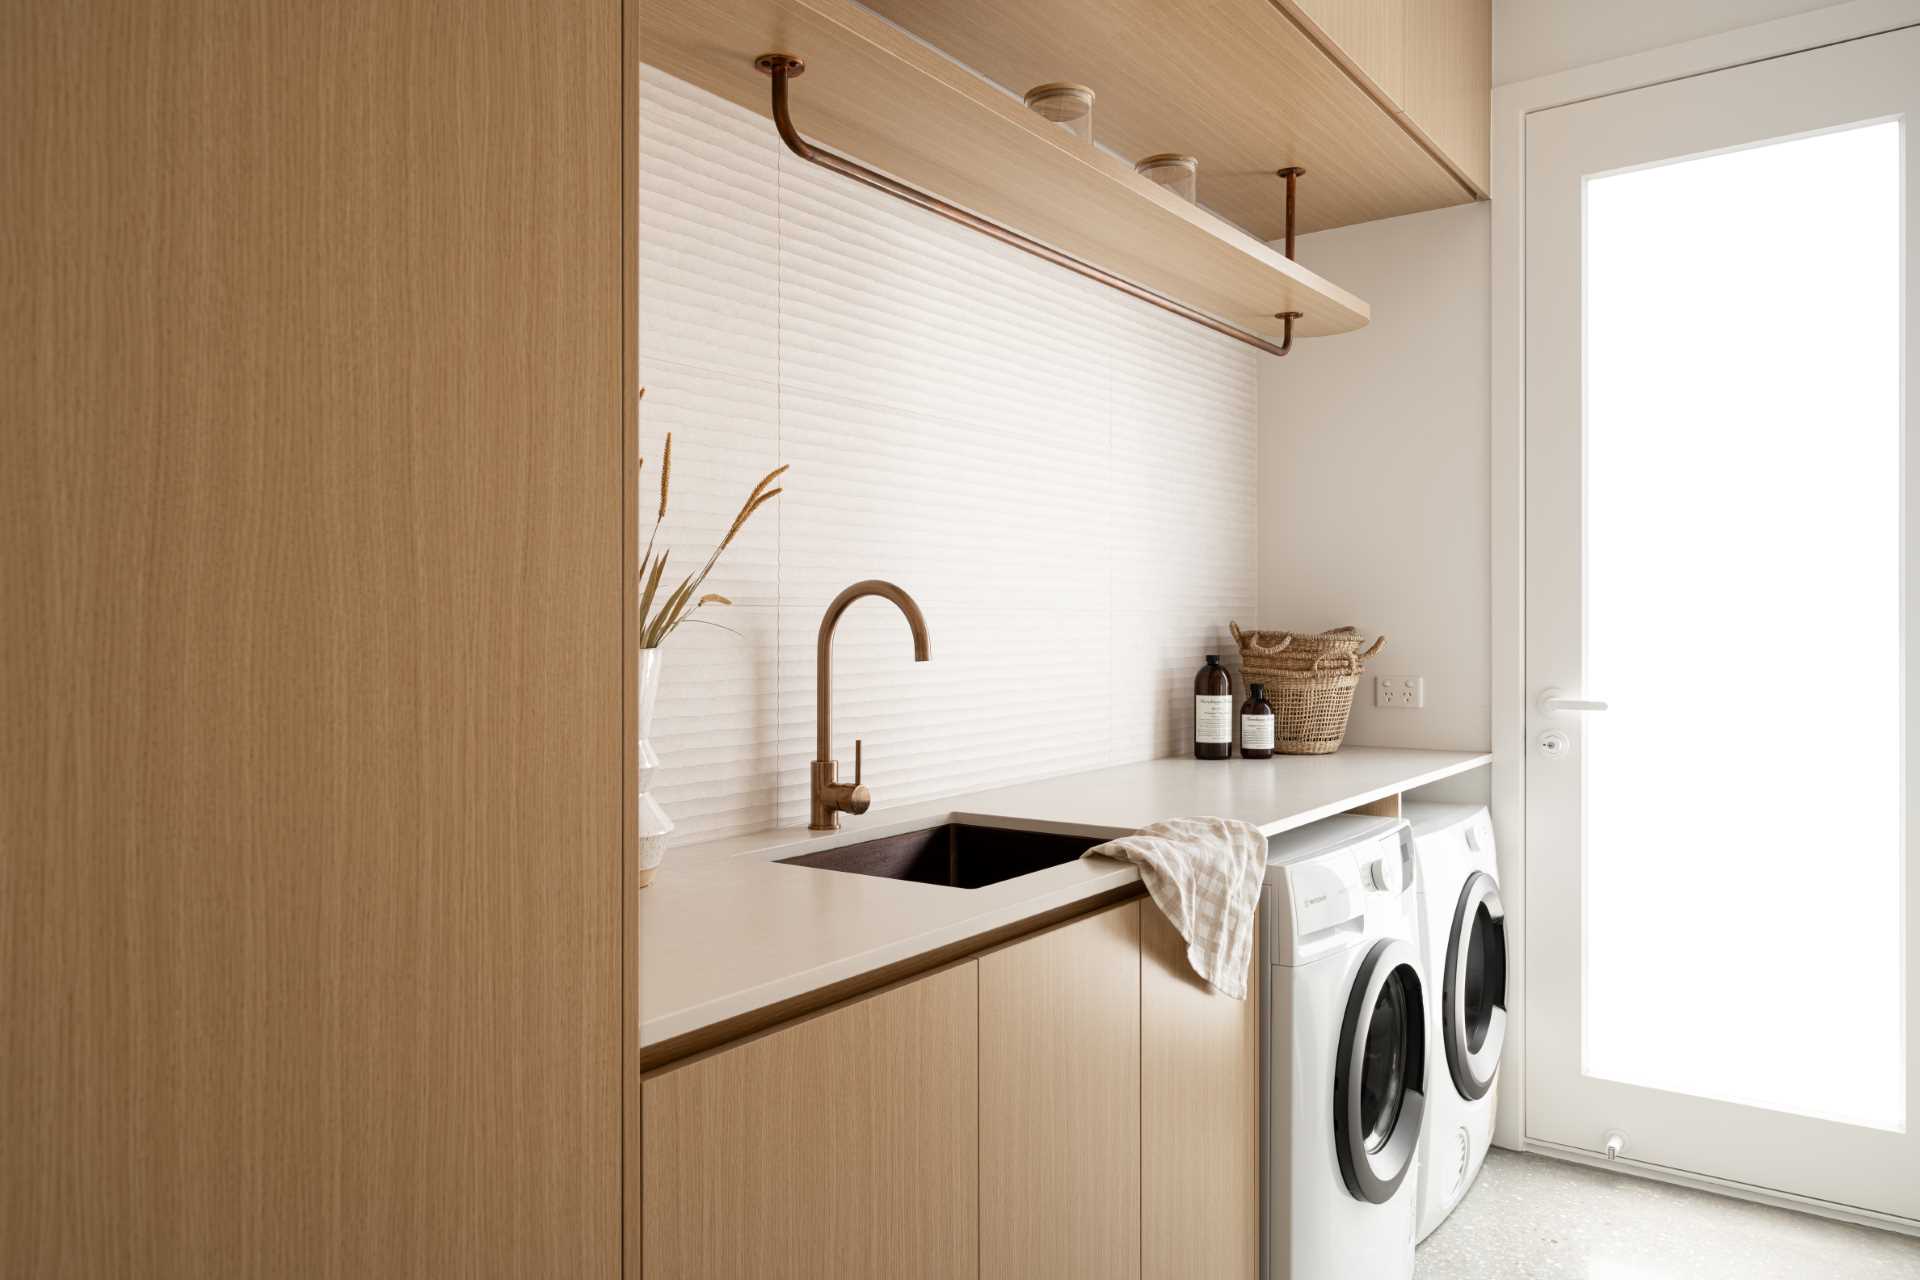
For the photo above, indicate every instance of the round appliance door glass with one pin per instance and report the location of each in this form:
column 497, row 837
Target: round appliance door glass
column 1379, row 1083
column 1383, row 1063
column 1473, row 998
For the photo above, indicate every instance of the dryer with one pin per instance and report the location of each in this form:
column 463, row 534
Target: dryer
column 1464, row 945
column 1345, row 1035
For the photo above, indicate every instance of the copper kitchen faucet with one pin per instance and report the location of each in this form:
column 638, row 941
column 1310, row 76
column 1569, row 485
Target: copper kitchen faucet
column 832, row 797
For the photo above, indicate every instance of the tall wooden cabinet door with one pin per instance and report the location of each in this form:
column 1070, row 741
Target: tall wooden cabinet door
column 841, row 1147
column 1199, row 1115
column 311, row 518
column 1060, row 1102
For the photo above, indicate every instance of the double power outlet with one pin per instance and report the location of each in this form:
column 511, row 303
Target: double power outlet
column 1401, row 692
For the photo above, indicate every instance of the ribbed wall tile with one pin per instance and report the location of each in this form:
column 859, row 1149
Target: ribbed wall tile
column 1008, row 695
column 888, row 305
column 709, row 231
column 725, row 438
column 994, row 515
column 1063, row 478
column 716, row 725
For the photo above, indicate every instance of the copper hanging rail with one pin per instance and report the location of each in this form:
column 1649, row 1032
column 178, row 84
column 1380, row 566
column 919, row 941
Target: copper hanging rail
column 783, row 67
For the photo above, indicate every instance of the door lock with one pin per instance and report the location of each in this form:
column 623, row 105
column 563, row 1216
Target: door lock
column 1554, row 744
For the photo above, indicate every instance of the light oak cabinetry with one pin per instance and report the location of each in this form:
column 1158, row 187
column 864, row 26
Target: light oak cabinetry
column 1427, row 62
column 1449, row 81
column 1060, row 1102
column 1199, row 1108
column 311, row 504
column 1383, row 102
column 1074, row 1103
column 842, row 1146
column 1368, row 35
column 924, row 116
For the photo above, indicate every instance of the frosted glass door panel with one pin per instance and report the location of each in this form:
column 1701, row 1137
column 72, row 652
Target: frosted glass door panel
column 1743, row 620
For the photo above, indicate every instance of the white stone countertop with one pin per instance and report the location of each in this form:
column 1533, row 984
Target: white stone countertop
column 726, row 930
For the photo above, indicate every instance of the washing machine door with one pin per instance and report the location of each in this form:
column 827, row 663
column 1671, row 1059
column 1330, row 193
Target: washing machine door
column 1473, row 996
column 1379, row 1082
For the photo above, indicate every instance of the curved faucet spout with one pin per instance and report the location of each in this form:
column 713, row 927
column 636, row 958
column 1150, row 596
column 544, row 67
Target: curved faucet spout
column 830, row 795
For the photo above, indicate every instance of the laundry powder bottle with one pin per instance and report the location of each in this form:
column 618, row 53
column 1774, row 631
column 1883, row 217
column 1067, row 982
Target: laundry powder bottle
column 1212, row 711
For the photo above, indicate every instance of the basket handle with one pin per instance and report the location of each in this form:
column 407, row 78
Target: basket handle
column 1254, row 646
column 1352, row 660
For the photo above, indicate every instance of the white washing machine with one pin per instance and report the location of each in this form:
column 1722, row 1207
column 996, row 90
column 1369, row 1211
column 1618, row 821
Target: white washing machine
column 1464, row 946
column 1344, row 1026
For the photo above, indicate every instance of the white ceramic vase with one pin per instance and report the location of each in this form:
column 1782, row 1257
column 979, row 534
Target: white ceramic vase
column 655, row 825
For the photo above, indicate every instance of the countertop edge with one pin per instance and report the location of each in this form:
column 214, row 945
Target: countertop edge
column 740, row 1005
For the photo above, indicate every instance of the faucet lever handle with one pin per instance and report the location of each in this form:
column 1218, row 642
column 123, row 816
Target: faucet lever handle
column 856, row 762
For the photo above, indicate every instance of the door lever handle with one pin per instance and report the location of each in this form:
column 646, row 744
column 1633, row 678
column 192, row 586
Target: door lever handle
column 1554, row 701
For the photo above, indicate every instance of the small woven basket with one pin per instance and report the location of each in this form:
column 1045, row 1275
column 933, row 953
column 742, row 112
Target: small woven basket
column 1309, row 679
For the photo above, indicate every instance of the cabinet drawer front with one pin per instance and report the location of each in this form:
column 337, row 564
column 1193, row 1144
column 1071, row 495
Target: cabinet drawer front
column 844, row 1146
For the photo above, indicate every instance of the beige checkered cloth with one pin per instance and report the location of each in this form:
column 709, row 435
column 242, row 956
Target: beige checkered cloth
column 1205, row 875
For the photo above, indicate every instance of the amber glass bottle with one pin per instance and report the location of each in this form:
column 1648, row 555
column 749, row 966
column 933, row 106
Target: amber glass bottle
column 1213, row 712
column 1256, row 724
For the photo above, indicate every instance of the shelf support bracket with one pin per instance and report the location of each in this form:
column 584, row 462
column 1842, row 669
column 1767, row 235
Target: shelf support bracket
column 783, row 67
column 1292, row 175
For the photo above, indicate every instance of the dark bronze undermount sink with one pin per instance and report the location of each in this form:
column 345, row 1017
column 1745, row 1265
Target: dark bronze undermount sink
column 956, row 854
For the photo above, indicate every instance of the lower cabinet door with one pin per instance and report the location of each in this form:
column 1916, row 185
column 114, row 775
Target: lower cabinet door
column 1060, row 1102
column 843, row 1146
column 1199, row 1115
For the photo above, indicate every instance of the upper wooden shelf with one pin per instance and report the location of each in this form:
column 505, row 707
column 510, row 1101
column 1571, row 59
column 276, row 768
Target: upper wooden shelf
column 876, row 94
column 1244, row 85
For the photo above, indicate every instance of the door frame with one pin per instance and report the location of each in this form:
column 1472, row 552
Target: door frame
column 1512, row 104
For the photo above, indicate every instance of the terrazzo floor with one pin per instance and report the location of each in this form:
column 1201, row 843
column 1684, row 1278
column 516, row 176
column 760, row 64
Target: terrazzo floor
column 1530, row 1216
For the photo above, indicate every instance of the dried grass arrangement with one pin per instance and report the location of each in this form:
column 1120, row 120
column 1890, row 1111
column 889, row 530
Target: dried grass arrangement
column 659, row 615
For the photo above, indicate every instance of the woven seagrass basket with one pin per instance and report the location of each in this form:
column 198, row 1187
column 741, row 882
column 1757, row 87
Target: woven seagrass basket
column 1310, row 679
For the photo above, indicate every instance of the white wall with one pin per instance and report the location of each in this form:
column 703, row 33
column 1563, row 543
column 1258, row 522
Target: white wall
column 1375, row 471
column 1063, row 478
column 1539, row 37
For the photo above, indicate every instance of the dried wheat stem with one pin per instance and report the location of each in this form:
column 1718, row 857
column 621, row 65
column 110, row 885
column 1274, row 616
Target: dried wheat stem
column 666, row 474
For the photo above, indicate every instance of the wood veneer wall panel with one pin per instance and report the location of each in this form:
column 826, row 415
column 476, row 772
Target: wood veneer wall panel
column 310, row 496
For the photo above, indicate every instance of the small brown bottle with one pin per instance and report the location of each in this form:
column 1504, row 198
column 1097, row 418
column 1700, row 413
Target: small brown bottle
column 1213, row 712
column 1256, row 724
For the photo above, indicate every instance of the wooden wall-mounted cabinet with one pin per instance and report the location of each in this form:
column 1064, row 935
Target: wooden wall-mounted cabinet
column 1385, row 103
column 1428, row 62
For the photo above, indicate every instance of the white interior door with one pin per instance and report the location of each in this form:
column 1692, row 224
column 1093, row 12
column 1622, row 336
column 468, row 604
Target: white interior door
column 1720, row 557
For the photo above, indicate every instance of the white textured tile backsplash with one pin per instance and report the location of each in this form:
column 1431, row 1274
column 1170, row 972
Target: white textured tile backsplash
column 1063, row 478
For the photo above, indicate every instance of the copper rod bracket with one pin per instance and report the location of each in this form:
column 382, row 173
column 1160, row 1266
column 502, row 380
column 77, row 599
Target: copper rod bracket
column 1292, row 174
column 1287, row 317
column 767, row 63
column 783, row 67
